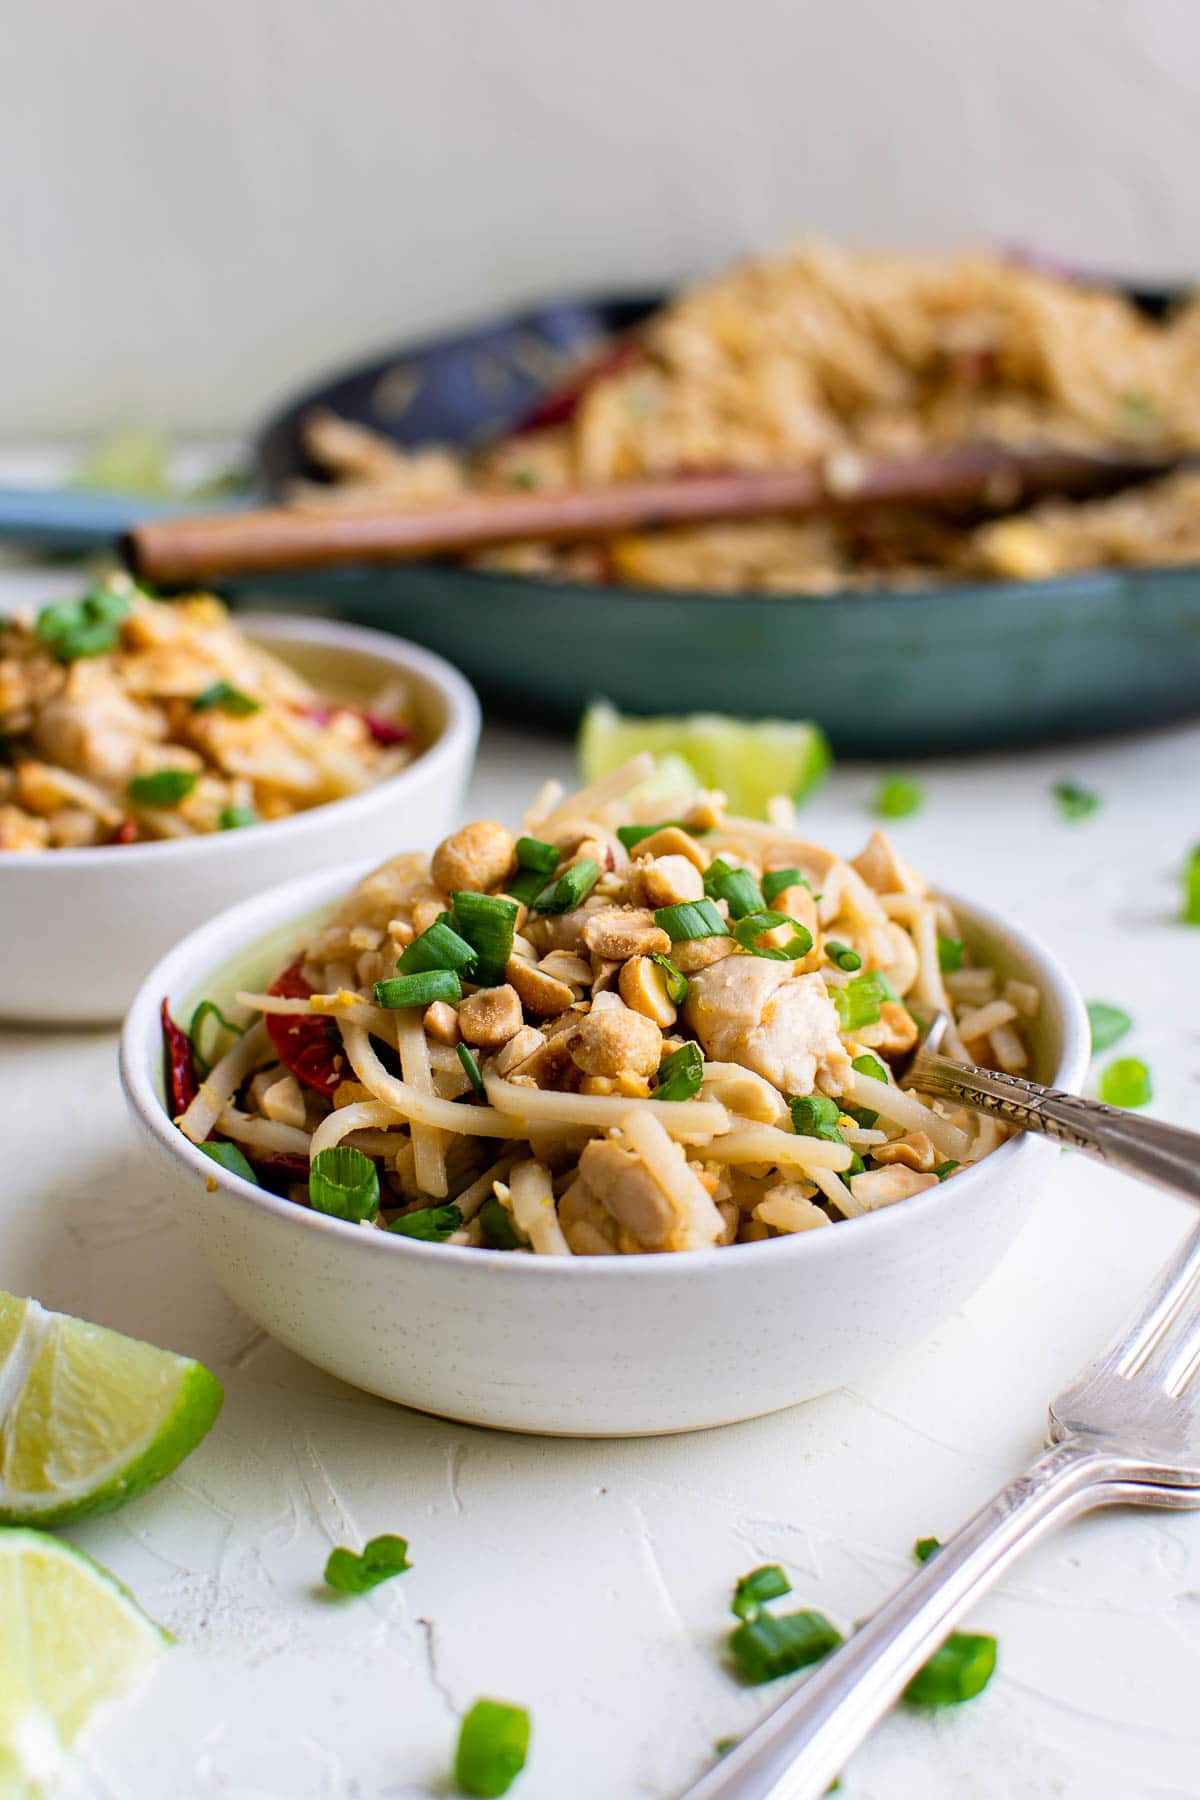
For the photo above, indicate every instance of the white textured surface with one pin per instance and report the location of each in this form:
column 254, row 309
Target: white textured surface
column 590, row 1580
column 199, row 215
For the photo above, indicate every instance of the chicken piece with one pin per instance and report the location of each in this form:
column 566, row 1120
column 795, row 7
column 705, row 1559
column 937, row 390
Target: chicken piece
column 92, row 728
column 753, row 1011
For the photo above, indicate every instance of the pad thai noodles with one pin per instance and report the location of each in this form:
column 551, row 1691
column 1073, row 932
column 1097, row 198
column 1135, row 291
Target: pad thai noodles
column 126, row 719
column 634, row 1026
column 817, row 356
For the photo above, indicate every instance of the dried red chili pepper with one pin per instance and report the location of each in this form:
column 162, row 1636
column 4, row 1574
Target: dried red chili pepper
column 180, row 1068
column 383, row 731
column 126, row 833
column 308, row 1047
column 562, row 403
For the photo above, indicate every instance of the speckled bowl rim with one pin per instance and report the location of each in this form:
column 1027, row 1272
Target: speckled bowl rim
column 459, row 732
column 217, row 941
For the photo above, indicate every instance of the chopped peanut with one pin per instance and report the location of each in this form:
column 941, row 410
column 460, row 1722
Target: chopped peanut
column 540, row 994
column 613, row 1039
column 490, row 1017
column 620, row 932
column 643, row 986
column 668, row 880
column 474, row 859
column 915, row 1151
column 672, row 841
column 441, row 1022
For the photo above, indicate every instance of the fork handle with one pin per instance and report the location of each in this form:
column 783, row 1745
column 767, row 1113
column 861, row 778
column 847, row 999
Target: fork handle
column 1165, row 1154
column 805, row 1743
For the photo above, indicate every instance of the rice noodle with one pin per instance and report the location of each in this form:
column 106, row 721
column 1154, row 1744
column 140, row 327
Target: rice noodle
column 699, row 1222
column 905, row 1109
column 600, row 794
column 531, row 1197
column 426, row 1109
column 263, row 1134
column 691, row 1121
column 752, row 1143
column 223, row 1081
column 429, row 1158
column 347, row 1119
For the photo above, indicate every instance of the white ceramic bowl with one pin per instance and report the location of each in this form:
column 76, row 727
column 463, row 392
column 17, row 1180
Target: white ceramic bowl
column 587, row 1346
column 81, row 927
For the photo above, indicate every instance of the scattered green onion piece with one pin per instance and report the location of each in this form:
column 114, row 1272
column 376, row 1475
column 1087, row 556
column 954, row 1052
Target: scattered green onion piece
column 774, row 883
column 958, row 1671
column 680, row 1074
column 487, row 922
column 773, row 1644
column 89, row 626
column 572, row 887
column 379, row 1560
column 691, row 919
column 208, row 1009
column 724, row 1745
column 898, row 796
column 632, row 835
column 1191, row 888
column 842, row 956
column 231, row 1158
column 535, row 860
column 1108, row 1023
column 816, row 1116
column 344, row 1183
column 165, row 787
column 230, row 699
column 418, row 990
column 493, row 1744
column 1075, row 802
column 472, row 1069
column 858, row 1003
column 1126, row 1082
column 753, row 1590
column 497, row 1229
column 737, row 887
column 438, row 947
column 677, row 987
column 432, row 1224
column 944, row 1170
column 234, row 818
column 924, row 1548
column 749, row 929
column 950, row 953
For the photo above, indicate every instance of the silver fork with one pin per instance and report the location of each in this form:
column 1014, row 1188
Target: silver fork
column 1153, row 1151
column 1127, row 1431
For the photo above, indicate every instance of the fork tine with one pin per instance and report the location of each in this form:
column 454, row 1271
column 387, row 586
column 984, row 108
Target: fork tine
column 1149, row 1339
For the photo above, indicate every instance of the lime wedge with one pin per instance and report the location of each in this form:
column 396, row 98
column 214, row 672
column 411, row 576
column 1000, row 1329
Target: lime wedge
column 748, row 759
column 88, row 1418
column 72, row 1638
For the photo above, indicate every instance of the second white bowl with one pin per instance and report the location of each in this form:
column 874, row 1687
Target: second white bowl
column 584, row 1346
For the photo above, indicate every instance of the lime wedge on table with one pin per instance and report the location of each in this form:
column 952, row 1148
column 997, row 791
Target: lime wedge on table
column 72, row 1637
column 748, row 759
column 88, row 1418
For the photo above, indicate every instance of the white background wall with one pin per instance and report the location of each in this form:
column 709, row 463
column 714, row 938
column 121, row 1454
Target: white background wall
column 202, row 201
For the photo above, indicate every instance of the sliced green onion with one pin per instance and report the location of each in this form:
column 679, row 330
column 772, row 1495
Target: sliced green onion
column 208, row 1009
column 680, row 1074
column 632, row 835
column 958, row 1671
column 677, row 987
column 535, row 860
column 379, row 1560
column 1074, row 802
column 487, row 922
column 497, row 1229
column 165, row 787
column 691, row 919
column 842, row 956
column 493, row 1744
column 573, row 886
column 924, row 1548
column 753, row 1590
column 1126, row 1082
column 439, row 947
column 777, row 880
column 724, row 1745
column 950, row 953
column 1191, row 888
column 749, row 929
column 71, row 629
column 234, row 818
column 858, row 1003
column 1109, row 1025
column 898, row 796
column 774, row 1644
column 816, row 1116
column 472, row 1069
column 944, row 1170
column 737, row 887
column 230, row 699
column 418, row 990
column 432, row 1224
column 231, row 1158
column 344, row 1183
